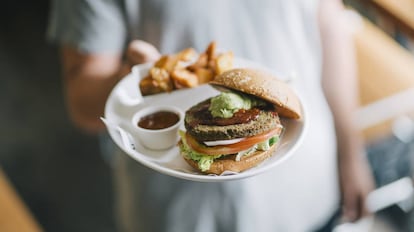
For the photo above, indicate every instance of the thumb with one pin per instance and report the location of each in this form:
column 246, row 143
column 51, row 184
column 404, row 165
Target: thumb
column 139, row 52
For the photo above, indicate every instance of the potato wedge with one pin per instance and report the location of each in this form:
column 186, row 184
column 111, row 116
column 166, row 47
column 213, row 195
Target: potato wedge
column 183, row 78
column 224, row 62
column 204, row 75
column 147, row 86
column 161, row 79
column 211, row 50
column 187, row 54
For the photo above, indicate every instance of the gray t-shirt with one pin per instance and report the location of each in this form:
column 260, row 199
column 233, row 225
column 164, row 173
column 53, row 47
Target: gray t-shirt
column 298, row 195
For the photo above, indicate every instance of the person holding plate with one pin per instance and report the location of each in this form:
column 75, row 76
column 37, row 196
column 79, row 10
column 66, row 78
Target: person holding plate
column 328, row 172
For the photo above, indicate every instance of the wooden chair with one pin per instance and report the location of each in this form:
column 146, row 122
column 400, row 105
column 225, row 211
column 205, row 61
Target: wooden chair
column 386, row 74
column 14, row 216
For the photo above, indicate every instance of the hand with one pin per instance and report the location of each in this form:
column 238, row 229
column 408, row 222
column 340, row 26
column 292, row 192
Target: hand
column 139, row 52
column 356, row 183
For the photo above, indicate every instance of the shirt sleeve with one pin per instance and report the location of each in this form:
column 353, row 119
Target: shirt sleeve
column 91, row 26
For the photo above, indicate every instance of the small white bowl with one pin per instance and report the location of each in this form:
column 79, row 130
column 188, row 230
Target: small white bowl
column 157, row 139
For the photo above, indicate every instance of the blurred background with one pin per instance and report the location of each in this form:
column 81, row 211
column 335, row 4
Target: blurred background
column 53, row 178
column 56, row 169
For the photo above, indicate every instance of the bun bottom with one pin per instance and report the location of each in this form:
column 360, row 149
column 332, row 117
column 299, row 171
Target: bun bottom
column 228, row 163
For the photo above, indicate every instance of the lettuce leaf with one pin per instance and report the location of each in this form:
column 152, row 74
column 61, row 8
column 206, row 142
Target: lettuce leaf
column 263, row 146
column 204, row 161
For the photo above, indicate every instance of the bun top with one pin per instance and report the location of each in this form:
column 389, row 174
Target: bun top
column 263, row 85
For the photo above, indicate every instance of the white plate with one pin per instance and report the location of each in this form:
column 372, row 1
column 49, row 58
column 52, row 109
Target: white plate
column 169, row 162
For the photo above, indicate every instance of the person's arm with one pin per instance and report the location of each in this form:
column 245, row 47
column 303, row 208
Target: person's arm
column 89, row 78
column 340, row 85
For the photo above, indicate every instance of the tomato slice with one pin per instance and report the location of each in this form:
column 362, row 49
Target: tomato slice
column 231, row 148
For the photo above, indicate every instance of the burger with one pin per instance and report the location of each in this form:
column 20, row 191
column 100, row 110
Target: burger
column 239, row 128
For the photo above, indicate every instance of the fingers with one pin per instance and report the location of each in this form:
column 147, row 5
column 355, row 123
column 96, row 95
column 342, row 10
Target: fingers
column 363, row 205
column 354, row 206
column 139, row 52
column 356, row 183
column 350, row 207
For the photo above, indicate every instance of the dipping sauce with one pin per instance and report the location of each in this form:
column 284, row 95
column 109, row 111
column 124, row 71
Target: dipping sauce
column 158, row 120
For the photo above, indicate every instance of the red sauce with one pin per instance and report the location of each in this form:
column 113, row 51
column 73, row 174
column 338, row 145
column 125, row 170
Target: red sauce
column 158, row 120
column 201, row 115
column 241, row 116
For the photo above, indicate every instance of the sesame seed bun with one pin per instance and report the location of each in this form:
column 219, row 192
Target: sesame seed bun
column 263, row 85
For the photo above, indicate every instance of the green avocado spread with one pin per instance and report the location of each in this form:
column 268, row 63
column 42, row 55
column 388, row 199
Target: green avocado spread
column 228, row 103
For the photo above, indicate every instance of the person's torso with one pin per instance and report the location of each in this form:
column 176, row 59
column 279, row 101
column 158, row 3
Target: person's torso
column 282, row 35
